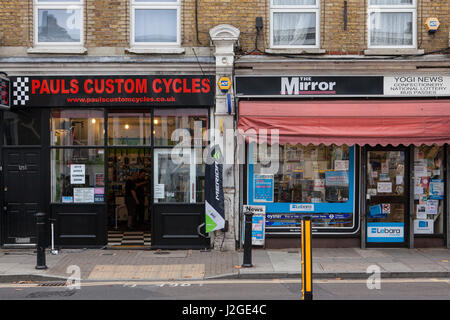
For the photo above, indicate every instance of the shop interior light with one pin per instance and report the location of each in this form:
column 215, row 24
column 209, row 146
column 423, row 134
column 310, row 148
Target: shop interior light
column 93, row 121
column 127, row 126
column 155, row 121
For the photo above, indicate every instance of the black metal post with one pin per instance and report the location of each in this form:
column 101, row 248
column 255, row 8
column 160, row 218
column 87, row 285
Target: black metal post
column 247, row 263
column 41, row 240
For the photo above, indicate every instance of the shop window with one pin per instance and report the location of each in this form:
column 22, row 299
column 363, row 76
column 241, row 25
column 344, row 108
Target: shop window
column 155, row 23
column 308, row 180
column 129, row 128
column 77, row 127
column 179, row 175
column 171, row 126
column 78, row 175
column 58, row 22
column 294, row 23
column 177, row 181
column 392, row 24
column 22, row 127
column 428, row 190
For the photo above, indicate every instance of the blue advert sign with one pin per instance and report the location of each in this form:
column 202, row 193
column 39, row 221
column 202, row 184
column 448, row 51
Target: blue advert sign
column 385, row 232
column 263, row 188
column 436, row 189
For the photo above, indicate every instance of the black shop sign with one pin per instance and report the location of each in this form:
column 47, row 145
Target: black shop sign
column 308, row 86
column 4, row 92
column 95, row 91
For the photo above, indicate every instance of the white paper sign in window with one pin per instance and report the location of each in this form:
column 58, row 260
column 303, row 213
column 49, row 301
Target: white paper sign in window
column 77, row 174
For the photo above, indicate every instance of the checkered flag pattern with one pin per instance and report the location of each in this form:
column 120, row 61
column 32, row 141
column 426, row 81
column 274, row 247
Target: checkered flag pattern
column 20, row 91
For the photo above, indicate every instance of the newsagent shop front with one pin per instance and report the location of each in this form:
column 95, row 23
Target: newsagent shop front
column 366, row 157
column 94, row 154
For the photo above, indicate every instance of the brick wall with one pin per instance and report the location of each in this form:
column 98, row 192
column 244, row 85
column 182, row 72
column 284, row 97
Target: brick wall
column 107, row 23
column 14, row 22
column 433, row 8
column 336, row 40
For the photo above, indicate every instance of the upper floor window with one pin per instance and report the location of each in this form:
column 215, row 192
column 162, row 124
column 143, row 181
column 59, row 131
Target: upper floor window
column 392, row 23
column 155, row 22
column 294, row 23
column 58, row 22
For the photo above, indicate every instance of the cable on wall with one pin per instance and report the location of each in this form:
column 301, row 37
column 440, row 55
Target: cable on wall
column 196, row 22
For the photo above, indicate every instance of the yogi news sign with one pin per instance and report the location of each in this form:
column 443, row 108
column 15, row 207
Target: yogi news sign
column 417, row 86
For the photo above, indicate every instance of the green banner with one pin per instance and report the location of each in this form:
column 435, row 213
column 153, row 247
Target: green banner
column 214, row 199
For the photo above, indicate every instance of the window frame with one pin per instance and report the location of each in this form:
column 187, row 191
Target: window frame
column 295, row 9
column 146, row 114
column 393, row 8
column 55, row 5
column 160, row 5
column 348, row 207
column 59, row 109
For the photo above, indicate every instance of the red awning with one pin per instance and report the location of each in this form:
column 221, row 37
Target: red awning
column 349, row 121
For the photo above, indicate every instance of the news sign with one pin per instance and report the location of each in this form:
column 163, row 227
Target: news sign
column 104, row 91
column 417, row 86
column 4, row 92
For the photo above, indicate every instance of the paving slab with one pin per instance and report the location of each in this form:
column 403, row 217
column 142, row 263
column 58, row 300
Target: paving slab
column 143, row 272
column 284, row 261
column 360, row 267
column 393, row 267
column 261, row 263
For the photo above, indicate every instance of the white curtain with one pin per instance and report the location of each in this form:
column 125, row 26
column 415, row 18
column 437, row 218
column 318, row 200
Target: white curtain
column 294, row 28
column 158, row 25
column 391, row 29
column 390, row 2
column 294, row 2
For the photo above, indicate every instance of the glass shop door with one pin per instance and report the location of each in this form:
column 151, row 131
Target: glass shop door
column 179, row 208
column 387, row 201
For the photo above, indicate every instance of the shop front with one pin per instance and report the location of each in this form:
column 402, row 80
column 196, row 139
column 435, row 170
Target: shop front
column 367, row 165
column 101, row 156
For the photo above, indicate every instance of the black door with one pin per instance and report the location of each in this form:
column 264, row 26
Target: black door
column 178, row 215
column 22, row 194
column 178, row 226
column 387, row 196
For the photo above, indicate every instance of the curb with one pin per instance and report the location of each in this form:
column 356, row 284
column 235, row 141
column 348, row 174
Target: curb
column 30, row 278
column 335, row 275
column 236, row 276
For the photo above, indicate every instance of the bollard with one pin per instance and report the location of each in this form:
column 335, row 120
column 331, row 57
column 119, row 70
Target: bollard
column 247, row 263
column 306, row 259
column 40, row 248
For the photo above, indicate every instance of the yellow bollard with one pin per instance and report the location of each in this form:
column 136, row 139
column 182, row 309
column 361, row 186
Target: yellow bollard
column 306, row 259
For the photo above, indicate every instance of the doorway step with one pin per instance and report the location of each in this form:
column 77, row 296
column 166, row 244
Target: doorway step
column 128, row 239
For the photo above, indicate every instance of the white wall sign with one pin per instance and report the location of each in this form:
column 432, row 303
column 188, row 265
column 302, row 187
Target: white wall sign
column 340, row 165
column 417, row 86
column 159, row 191
column 83, row 195
column 294, row 207
column 77, row 174
column 384, row 187
column 258, row 224
column 424, row 226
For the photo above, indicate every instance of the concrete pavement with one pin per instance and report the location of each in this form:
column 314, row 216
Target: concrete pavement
column 135, row 265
